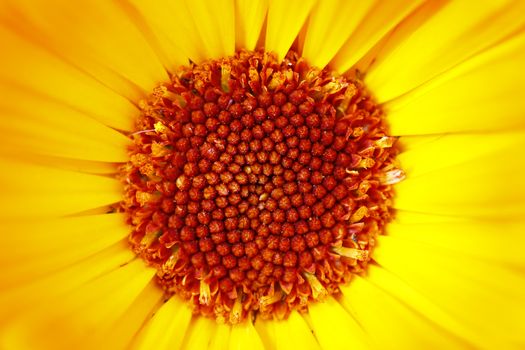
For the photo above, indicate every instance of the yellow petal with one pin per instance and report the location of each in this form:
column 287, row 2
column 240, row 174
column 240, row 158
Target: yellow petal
column 54, row 129
column 411, row 217
column 221, row 337
column 379, row 19
column 489, row 186
column 124, row 60
column 444, row 40
column 216, row 25
column 167, row 328
column 249, row 20
column 48, row 76
column 285, row 19
column 388, row 322
column 498, row 242
column 35, row 248
column 200, row 333
column 62, row 280
column 77, row 319
column 244, row 336
column 156, row 21
column 295, row 330
column 419, row 303
column 440, row 152
column 76, row 165
column 121, row 333
column 485, row 93
column 172, row 25
column 471, row 291
column 333, row 326
column 330, row 24
column 37, row 191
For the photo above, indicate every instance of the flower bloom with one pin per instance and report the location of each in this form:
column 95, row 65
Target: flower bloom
column 447, row 273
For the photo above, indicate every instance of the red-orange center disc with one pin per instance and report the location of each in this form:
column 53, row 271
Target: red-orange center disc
column 256, row 186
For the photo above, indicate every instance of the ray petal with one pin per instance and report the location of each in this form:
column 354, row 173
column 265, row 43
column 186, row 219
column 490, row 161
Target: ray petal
column 388, row 322
column 123, row 61
column 167, row 328
column 381, row 18
column 344, row 333
column 78, row 318
column 28, row 191
column 249, row 21
column 285, row 19
column 441, row 42
column 328, row 28
column 463, row 287
column 50, row 77
column 215, row 22
column 244, row 336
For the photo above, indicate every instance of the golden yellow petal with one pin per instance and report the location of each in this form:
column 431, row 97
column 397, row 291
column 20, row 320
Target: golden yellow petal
column 411, row 217
column 200, row 333
column 440, row 152
column 44, row 127
column 419, row 303
column 443, row 41
column 244, row 336
column 36, row 248
column 279, row 334
column 295, row 331
column 122, row 332
column 387, row 321
column 334, row 328
column 215, row 22
column 172, row 25
column 62, row 280
column 37, row 191
column 47, row 76
column 488, row 186
column 157, row 21
column 249, row 20
column 221, row 338
column 77, row 165
column 167, row 328
column 331, row 22
column 483, row 94
column 123, row 60
column 468, row 289
column 80, row 317
column 374, row 25
column 498, row 242
column 285, row 19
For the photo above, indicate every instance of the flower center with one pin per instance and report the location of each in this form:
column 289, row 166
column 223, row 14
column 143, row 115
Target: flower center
column 256, row 186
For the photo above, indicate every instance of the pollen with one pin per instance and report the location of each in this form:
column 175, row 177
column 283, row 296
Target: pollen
column 258, row 186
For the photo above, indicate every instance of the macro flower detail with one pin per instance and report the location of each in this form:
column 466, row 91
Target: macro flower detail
column 170, row 168
column 256, row 186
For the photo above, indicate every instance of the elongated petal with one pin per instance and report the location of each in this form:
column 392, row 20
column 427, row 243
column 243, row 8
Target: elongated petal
column 285, row 19
column 444, row 40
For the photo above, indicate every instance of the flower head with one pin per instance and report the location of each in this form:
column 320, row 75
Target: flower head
column 86, row 89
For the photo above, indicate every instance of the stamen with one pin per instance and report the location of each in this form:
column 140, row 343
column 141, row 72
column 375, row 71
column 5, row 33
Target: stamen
column 236, row 312
column 359, row 214
column 270, row 299
column 318, row 291
column 353, row 253
column 393, row 177
column 149, row 238
column 225, row 77
column 204, row 295
column 169, row 264
column 160, row 128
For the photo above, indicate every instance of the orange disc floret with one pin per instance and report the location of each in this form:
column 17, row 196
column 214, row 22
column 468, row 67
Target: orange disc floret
column 256, row 186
